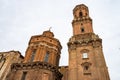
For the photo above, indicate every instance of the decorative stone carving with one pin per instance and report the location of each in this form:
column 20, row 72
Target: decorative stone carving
column 85, row 39
column 36, row 65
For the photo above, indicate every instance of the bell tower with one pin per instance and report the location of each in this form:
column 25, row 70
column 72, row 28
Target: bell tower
column 41, row 60
column 86, row 59
column 81, row 23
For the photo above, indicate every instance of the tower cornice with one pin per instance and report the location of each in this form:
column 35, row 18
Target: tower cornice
column 37, row 65
column 89, row 39
column 81, row 20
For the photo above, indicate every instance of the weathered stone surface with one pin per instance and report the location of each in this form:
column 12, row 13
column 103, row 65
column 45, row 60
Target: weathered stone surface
column 64, row 72
column 41, row 62
column 86, row 60
column 6, row 59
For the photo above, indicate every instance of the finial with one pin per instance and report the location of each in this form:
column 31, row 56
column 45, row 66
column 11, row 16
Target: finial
column 50, row 28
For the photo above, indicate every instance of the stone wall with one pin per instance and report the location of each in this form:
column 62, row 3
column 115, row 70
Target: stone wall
column 6, row 59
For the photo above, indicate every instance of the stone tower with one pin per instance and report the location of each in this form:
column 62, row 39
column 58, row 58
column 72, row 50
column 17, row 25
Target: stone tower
column 41, row 59
column 86, row 59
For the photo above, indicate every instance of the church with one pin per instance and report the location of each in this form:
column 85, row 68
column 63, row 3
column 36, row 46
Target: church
column 86, row 58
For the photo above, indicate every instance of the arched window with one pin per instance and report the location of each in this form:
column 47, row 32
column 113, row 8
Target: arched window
column 82, row 30
column 80, row 14
column 33, row 55
column 86, row 68
column 46, row 57
column 24, row 75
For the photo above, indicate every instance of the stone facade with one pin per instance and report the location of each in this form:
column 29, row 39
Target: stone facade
column 86, row 59
column 64, row 71
column 35, row 71
column 6, row 59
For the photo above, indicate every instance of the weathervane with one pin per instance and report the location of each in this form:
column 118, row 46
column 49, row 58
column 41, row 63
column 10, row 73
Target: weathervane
column 50, row 28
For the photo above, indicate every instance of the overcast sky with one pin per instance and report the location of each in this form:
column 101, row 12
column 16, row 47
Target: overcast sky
column 20, row 19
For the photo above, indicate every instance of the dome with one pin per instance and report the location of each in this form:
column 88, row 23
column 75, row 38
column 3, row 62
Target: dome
column 48, row 33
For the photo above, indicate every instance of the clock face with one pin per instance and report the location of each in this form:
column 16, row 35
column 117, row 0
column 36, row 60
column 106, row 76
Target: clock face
column 85, row 55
